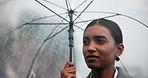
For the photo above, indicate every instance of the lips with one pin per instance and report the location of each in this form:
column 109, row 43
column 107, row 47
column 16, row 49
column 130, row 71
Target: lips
column 92, row 57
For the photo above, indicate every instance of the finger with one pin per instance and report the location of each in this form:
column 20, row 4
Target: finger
column 69, row 76
column 68, row 64
column 69, row 70
column 66, row 75
column 72, row 76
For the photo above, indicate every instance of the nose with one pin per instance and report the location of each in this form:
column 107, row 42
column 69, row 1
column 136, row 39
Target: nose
column 91, row 47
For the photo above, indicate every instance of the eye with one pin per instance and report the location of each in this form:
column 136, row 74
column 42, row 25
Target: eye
column 85, row 42
column 100, row 41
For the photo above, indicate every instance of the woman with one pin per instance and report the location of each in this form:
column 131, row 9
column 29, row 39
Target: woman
column 102, row 44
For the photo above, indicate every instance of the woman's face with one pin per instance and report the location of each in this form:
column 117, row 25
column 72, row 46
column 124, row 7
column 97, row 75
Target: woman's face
column 98, row 47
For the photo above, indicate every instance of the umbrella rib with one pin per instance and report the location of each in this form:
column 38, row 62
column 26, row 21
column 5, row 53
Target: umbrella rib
column 117, row 14
column 93, row 19
column 47, row 23
column 96, row 12
column 51, row 10
column 14, row 29
column 45, row 17
column 55, row 4
column 79, row 27
column 135, row 20
column 34, row 61
column 26, row 24
column 36, row 56
column 83, row 10
column 54, row 30
column 57, row 33
column 111, row 16
column 80, row 5
column 67, row 5
column 79, row 18
column 38, row 52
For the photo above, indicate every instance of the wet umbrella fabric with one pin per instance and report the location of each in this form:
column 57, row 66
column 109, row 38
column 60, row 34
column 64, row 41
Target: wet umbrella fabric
column 46, row 45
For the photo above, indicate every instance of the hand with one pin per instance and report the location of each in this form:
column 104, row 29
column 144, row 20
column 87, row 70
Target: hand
column 69, row 71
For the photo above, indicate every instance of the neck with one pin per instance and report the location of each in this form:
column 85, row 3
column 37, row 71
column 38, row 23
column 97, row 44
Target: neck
column 104, row 73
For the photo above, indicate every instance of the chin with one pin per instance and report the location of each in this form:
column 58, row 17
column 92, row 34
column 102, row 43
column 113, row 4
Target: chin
column 95, row 67
column 92, row 66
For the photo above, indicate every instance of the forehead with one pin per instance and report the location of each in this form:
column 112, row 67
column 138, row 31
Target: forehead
column 97, row 30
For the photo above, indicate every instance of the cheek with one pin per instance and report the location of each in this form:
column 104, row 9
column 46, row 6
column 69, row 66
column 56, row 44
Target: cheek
column 109, row 52
column 84, row 50
column 106, row 50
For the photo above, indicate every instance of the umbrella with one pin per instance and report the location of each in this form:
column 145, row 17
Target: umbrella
column 67, row 23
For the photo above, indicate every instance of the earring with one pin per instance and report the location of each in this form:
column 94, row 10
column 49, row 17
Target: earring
column 117, row 58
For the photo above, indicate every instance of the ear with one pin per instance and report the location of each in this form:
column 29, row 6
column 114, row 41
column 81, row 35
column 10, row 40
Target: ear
column 120, row 48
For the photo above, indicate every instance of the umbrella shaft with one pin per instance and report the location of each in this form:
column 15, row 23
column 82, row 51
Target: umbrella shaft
column 70, row 54
column 70, row 44
column 71, row 31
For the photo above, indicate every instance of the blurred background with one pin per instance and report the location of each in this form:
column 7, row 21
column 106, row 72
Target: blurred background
column 30, row 31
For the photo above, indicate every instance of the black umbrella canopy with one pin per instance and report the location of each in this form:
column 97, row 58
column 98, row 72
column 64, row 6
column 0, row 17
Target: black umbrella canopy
column 35, row 37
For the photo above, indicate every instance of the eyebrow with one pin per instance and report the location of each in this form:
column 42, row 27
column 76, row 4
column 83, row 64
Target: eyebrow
column 99, row 37
column 95, row 37
column 85, row 37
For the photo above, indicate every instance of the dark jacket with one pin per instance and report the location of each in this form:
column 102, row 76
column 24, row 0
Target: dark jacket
column 121, row 74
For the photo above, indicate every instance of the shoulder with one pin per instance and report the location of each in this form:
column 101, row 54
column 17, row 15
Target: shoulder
column 122, row 73
column 88, row 75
